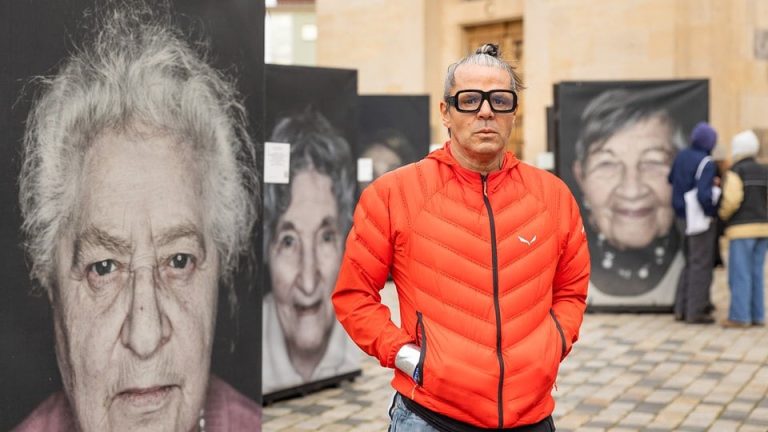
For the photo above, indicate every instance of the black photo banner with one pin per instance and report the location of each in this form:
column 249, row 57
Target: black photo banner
column 312, row 116
column 394, row 131
column 615, row 145
column 38, row 38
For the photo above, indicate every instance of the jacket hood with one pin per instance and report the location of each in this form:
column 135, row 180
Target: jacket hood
column 744, row 144
column 703, row 137
column 495, row 178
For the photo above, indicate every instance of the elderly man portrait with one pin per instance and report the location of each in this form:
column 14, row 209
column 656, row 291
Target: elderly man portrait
column 305, row 223
column 137, row 193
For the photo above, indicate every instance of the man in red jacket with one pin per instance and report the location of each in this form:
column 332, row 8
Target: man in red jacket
column 490, row 262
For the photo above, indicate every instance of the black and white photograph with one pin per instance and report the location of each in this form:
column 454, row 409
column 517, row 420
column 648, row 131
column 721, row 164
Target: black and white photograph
column 394, row 131
column 306, row 221
column 132, row 139
column 616, row 143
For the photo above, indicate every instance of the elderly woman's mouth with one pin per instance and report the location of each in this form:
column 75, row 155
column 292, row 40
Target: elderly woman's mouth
column 633, row 212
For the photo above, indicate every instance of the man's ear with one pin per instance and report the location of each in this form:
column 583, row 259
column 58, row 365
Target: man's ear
column 444, row 114
column 445, row 117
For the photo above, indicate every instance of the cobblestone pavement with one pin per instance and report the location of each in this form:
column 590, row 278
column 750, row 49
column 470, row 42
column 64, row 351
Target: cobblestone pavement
column 628, row 372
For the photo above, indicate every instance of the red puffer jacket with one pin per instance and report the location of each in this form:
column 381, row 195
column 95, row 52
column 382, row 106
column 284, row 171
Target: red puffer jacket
column 491, row 276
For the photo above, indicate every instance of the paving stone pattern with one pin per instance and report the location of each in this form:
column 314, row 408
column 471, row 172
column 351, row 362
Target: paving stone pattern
column 628, row 372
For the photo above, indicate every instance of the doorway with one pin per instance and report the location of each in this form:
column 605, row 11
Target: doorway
column 509, row 36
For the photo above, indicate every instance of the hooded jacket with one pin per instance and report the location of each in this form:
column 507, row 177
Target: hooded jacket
column 491, row 275
column 683, row 173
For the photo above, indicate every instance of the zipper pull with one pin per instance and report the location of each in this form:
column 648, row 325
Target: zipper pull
column 484, row 178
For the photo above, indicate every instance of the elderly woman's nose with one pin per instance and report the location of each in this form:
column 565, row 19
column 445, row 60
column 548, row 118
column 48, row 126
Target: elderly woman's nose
column 632, row 183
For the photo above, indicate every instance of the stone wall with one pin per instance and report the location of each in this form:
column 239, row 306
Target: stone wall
column 404, row 46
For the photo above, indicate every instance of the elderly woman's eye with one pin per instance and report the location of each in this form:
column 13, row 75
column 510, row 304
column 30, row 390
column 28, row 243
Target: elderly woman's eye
column 328, row 235
column 287, row 242
column 102, row 268
column 653, row 164
column 605, row 165
column 180, row 261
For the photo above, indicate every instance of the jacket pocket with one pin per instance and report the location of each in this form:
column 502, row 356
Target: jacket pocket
column 562, row 334
column 421, row 337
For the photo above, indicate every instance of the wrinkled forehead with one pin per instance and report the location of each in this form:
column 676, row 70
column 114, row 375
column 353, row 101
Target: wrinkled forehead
column 651, row 132
column 129, row 180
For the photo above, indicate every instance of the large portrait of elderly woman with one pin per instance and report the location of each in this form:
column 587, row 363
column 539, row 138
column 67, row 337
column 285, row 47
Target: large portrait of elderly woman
column 313, row 111
column 134, row 194
column 616, row 143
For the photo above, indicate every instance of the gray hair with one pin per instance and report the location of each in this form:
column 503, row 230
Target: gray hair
column 487, row 55
column 612, row 111
column 314, row 144
column 136, row 71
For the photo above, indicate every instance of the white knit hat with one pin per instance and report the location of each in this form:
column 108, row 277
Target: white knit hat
column 745, row 144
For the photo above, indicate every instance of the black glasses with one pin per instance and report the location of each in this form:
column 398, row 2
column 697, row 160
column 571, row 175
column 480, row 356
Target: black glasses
column 467, row 101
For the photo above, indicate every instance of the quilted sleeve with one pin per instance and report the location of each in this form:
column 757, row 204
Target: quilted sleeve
column 571, row 280
column 363, row 272
column 733, row 195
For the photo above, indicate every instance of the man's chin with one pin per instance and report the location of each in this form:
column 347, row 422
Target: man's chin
column 488, row 142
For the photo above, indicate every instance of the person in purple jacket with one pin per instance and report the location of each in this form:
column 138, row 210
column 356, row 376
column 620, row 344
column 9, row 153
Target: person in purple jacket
column 138, row 194
column 692, row 298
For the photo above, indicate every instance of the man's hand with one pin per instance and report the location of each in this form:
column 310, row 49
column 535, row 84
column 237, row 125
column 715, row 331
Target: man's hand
column 407, row 360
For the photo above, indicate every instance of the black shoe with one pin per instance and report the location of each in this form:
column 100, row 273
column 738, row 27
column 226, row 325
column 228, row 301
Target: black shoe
column 706, row 319
column 708, row 309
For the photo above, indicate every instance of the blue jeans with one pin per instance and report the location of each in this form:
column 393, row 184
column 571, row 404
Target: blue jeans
column 405, row 420
column 746, row 258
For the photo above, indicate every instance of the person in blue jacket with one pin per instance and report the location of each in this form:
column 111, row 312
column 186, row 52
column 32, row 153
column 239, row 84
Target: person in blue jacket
column 692, row 299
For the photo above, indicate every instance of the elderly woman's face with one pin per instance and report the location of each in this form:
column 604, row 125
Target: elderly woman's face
column 136, row 293
column 304, row 258
column 625, row 186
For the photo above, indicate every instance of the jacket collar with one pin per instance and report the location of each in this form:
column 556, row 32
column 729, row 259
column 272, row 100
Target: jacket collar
column 742, row 158
column 445, row 156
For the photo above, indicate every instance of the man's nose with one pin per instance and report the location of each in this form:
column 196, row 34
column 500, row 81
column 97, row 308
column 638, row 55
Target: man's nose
column 485, row 109
column 309, row 274
column 146, row 327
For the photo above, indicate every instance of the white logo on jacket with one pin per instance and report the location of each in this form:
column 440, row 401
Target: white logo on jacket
column 528, row 242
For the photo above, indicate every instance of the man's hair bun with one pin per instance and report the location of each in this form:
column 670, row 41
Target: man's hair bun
column 488, row 49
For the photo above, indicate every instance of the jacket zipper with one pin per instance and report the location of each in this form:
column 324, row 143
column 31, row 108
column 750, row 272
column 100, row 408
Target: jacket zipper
column 422, row 336
column 562, row 334
column 496, row 305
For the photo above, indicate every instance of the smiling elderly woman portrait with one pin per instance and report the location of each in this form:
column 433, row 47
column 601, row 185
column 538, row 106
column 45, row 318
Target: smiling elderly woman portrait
column 305, row 225
column 137, row 192
column 623, row 155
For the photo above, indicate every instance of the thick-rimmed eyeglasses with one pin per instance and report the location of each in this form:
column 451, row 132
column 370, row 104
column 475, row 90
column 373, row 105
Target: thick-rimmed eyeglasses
column 467, row 101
